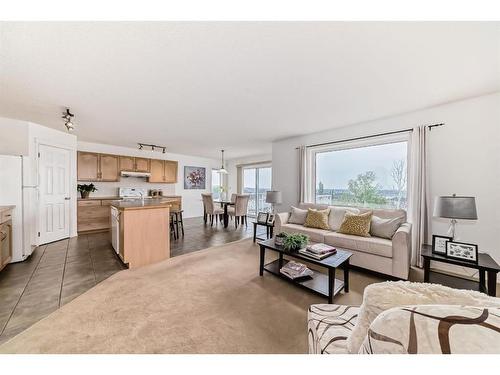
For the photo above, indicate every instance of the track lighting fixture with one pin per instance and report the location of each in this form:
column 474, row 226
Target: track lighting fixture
column 153, row 147
column 67, row 116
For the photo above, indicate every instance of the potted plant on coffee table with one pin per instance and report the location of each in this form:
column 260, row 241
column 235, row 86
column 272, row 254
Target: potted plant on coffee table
column 295, row 241
column 86, row 189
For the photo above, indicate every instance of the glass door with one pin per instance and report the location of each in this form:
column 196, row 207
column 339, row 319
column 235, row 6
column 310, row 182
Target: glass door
column 256, row 182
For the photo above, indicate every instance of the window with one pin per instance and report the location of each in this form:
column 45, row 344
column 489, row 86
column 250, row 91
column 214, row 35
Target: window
column 216, row 184
column 369, row 174
column 256, row 182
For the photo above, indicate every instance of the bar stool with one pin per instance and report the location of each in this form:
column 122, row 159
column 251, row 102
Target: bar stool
column 178, row 221
column 172, row 225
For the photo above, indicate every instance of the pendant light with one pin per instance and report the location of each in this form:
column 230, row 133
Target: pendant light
column 222, row 169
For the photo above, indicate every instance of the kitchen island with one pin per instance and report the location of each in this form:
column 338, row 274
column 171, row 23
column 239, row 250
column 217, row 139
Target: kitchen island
column 141, row 230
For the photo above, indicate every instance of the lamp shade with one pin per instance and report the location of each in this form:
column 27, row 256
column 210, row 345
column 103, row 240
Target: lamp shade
column 454, row 207
column 273, row 196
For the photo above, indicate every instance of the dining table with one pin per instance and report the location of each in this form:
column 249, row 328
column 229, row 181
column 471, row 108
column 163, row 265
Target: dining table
column 224, row 203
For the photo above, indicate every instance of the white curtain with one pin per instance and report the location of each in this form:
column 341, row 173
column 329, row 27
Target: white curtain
column 418, row 210
column 302, row 174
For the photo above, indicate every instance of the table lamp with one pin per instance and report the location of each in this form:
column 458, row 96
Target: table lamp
column 273, row 197
column 455, row 207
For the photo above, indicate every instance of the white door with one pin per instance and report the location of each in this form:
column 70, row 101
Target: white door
column 54, row 169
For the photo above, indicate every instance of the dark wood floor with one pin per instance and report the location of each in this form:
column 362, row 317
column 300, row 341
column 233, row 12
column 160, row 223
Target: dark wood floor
column 58, row 272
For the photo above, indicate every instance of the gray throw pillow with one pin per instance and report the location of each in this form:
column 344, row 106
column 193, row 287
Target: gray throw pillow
column 297, row 216
column 385, row 228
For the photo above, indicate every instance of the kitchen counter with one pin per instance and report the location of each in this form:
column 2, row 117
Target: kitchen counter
column 138, row 204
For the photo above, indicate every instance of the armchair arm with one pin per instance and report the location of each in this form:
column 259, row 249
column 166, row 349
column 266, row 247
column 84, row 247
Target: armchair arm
column 281, row 218
column 401, row 251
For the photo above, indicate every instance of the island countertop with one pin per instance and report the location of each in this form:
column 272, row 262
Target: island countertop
column 138, row 204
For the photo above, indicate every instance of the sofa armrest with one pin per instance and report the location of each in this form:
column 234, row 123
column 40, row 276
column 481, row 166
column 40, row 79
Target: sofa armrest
column 280, row 219
column 401, row 251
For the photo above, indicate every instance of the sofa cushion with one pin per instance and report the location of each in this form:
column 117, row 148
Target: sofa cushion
column 434, row 329
column 385, row 228
column 329, row 326
column 384, row 296
column 372, row 245
column 337, row 214
column 297, row 216
column 317, row 219
column 358, row 225
column 315, row 235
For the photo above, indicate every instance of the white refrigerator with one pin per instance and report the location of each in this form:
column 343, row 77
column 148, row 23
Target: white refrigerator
column 14, row 173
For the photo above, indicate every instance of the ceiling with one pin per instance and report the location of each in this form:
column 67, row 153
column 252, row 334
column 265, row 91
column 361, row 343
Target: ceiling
column 197, row 87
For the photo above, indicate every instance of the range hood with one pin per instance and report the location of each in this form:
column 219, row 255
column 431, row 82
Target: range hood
column 135, row 174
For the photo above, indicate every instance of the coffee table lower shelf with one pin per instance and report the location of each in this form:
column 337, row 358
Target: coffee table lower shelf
column 317, row 283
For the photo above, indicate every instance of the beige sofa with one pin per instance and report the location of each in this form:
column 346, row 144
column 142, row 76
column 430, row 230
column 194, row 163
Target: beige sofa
column 390, row 257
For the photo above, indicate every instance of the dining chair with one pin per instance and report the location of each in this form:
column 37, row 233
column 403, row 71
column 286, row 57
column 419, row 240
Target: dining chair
column 210, row 210
column 233, row 197
column 239, row 211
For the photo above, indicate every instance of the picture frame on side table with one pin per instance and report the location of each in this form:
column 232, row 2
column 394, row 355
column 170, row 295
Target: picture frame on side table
column 262, row 217
column 462, row 251
column 439, row 244
column 270, row 219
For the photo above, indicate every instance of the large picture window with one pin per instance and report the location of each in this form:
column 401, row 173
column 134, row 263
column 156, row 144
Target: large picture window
column 369, row 174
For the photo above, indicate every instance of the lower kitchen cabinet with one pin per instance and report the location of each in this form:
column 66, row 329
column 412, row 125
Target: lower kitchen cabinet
column 93, row 215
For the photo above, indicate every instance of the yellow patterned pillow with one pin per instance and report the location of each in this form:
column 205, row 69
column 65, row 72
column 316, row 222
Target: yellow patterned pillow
column 357, row 225
column 317, row 218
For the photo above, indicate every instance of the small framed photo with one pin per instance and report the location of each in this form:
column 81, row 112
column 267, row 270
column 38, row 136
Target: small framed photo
column 462, row 251
column 439, row 244
column 270, row 219
column 262, row 217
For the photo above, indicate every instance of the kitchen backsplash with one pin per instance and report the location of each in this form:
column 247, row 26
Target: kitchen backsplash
column 107, row 189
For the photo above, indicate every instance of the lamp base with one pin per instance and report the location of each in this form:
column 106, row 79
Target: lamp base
column 451, row 230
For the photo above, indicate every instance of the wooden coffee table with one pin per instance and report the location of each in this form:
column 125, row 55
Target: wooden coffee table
column 319, row 283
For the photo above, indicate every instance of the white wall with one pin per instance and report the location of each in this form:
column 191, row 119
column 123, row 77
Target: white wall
column 464, row 159
column 14, row 137
column 232, row 168
column 191, row 199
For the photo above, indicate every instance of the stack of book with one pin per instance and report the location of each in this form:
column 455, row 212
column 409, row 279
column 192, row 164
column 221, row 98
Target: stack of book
column 294, row 270
column 318, row 251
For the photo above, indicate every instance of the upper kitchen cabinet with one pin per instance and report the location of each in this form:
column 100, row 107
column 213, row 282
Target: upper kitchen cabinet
column 109, row 168
column 127, row 163
column 142, row 165
column 163, row 171
column 170, row 171
column 88, row 166
column 131, row 164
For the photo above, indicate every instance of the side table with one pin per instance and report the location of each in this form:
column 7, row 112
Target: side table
column 269, row 231
column 485, row 265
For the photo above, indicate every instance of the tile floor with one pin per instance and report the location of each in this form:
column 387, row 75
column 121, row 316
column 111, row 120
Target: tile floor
column 58, row 272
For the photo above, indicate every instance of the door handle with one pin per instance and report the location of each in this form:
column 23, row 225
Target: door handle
column 67, row 198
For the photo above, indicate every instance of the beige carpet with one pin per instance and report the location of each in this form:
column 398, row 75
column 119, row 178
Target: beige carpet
column 210, row 301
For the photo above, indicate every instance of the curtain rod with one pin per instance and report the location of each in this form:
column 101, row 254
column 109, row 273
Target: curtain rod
column 371, row 136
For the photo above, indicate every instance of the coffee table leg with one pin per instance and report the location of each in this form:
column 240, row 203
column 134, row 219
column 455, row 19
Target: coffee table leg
column 331, row 284
column 346, row 276
column 254, row 232
column 262, row 255
column 492, row 283
column 281, row 260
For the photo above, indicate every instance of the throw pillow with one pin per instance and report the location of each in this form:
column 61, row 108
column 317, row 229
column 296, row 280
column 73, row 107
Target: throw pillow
column 385, row 228
column 337, row 216
column 297, row 216
column 357, row 225
column 384, row 296
column 317, row 218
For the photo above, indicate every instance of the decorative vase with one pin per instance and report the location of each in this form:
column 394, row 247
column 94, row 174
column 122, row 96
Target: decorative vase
column 85, row 194
column 278, row 240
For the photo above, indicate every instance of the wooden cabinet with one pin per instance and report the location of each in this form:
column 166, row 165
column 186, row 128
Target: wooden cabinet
column 142, row 165
column 93, row 215
column 126, row 163
column 88, row 166
column 109, row 168
column 163, row 171
column 5, row 238
column 104, row 167
column 170, row 171
column 97, row 167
